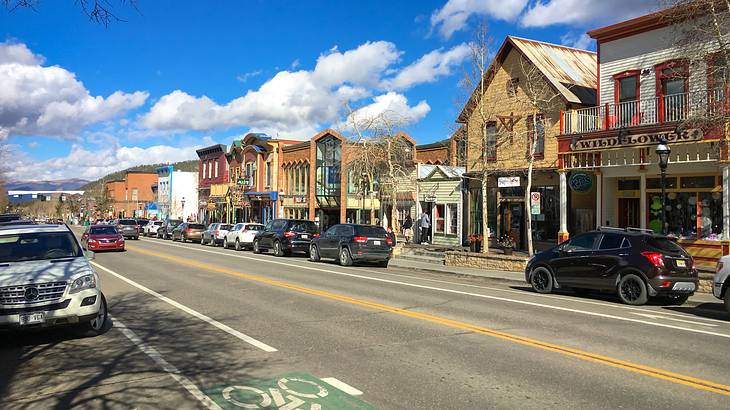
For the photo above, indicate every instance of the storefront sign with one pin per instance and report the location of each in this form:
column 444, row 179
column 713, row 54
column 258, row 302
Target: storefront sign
column 534, row 203
column 202, row 203
column 429, row 198
column 300, row 199
column 508, row 182
column 580, row 182
column 620, row 140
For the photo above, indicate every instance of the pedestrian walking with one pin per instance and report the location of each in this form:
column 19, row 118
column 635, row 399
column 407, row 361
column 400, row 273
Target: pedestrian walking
column 391, row 235
column 408, row 228
column 425, row 225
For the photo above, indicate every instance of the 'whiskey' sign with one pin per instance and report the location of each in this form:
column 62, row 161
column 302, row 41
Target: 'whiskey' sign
column 620, row 141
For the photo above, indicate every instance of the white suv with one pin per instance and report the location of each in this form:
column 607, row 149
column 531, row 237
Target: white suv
column 151, row 228
column 46, row 280
column 721, row 281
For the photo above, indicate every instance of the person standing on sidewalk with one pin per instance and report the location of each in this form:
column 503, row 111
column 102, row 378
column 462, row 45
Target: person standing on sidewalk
column 408, row 228
column 425, row 225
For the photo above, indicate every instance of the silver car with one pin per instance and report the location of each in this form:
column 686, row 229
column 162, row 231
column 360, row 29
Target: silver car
column 720, row 282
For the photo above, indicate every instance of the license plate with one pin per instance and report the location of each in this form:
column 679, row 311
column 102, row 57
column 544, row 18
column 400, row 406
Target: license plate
column 376, row 242
column 681, row 263
column 305, row 236
column 684, row 286
column 32, row 318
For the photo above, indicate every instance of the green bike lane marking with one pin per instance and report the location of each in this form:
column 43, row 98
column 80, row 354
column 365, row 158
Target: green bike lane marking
column 287, row 391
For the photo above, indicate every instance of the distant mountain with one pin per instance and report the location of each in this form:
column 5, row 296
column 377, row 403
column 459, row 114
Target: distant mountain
column 94, row 186
column 57, row 185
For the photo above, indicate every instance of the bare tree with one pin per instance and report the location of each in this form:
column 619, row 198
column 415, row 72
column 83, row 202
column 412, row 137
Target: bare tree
column 544, row 103
column 98, row 11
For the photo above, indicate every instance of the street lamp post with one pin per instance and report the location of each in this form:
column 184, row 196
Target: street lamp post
column 663, row 151
column 182, row 204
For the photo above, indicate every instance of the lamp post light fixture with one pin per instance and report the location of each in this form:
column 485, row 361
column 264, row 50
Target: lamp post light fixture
column 182, row 204
column 663, row 151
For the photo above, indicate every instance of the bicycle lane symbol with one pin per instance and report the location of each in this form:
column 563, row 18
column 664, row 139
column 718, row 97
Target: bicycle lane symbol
column 285, row 392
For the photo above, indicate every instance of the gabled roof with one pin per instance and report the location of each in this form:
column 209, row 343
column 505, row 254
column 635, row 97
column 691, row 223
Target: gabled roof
column 427, row 171
column 437, row 144
column 572, row 72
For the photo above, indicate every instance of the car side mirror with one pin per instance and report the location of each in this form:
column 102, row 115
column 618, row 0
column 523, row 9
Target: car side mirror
column 90, row 255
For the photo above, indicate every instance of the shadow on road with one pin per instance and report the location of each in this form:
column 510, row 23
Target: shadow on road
column 59, row 368
column 707, row 310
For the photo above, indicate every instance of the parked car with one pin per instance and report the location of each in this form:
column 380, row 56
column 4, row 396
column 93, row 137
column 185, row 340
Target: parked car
column 215, row 234
column 634, row 263
column 241, row 235
column 165, row 231
column 151, row 228
column 721, row 283
column 285, row 236
column 127, row 227
column 188, row 231
column 101, row 238
column 48, row 281
column 351, row 243
column 141, row 222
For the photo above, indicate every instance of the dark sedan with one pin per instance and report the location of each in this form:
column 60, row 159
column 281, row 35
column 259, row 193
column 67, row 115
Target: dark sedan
column 285, row 236
column 127, row 227
column 635, row 264
column 350, row 243
column 165, row 231
column 188, row 232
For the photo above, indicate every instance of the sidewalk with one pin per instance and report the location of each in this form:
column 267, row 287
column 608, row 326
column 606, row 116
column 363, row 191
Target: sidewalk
column 517, row 277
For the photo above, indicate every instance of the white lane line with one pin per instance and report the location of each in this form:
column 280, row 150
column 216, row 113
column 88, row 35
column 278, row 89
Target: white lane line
column 660, row 317
column 166, row 366
column 263, row 258
column 478, row 295
column 248, row 339
column 342, row 386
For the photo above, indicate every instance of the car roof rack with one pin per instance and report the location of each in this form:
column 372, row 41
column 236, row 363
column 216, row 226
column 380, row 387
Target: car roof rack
column 628, row 229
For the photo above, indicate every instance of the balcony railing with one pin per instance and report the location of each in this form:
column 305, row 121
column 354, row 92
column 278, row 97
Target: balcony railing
column 648, row 111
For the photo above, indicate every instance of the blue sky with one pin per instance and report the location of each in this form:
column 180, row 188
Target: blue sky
column 78, row 99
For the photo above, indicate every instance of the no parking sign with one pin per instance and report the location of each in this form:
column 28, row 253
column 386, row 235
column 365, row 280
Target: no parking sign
column 535, row 203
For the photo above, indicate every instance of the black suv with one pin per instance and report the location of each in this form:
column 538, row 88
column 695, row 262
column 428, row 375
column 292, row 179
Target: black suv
column 285, row 236
column 635, row 263
column 350, row 243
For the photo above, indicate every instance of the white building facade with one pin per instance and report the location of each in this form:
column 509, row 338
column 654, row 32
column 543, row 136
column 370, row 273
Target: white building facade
column 177, row 194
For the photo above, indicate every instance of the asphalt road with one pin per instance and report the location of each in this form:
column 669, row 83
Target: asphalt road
column 204, row 327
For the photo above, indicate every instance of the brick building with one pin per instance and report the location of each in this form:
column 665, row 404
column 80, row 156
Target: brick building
column 212, row 169
column 132, row 194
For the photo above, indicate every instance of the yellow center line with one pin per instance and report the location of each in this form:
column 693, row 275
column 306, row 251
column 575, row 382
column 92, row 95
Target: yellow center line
column 609, row 361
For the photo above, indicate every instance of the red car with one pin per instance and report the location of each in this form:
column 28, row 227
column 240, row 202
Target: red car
column 102, row 238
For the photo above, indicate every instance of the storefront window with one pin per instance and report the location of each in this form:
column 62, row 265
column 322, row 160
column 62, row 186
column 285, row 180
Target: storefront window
column 656, row 183
column 329, row 154
column 439, row 217
column 690, row 215
column 453, row 219
column 545, row 224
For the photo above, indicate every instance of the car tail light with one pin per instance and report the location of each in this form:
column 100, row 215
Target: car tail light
column 694, row 264
column 120, row 226
column 360, row 239
column 289, row 234
column 315, row 235
column 188, row 230
column 717, row 269
column 388, row 241
column 665, row 284
column 656, row 258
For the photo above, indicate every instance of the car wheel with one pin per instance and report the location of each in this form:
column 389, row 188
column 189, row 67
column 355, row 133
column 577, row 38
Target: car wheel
column 314, row 253
column 256, row 248
column 184, row 239
column 238, row 245
column 98, row 325
column 541, row 280
column 225, row 243
column 632, row 290
column 345, row 257
column 202, row 240
column 384, row 264
column 277, row 249
column 726, row 299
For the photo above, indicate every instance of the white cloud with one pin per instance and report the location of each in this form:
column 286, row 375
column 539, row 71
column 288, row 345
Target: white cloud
column 453, row 16
column 583, row 12
column 49, row 100
column 429, row 67
column 246, row 76
column 390, row 106
column 96, row 162
column 295, row 104
column 581, row 41
column 295, row 64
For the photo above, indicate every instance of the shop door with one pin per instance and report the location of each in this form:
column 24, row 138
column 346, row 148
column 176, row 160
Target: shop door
column 628, row 213
column 512, row 214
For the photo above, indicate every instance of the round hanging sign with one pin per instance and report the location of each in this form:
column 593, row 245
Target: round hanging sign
column 580, row 182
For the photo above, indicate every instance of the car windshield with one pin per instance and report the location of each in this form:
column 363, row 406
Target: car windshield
column 254, row 227
column 127, row 222
column 196, row 226
column 103, row 230
column 38, row 246
column 371, row 231
column 224, row 227
column 158, row 223
column 303, row 226
column 175, row 222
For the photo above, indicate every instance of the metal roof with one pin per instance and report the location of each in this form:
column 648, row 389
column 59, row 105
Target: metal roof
column 563, row 66
column 426, row 170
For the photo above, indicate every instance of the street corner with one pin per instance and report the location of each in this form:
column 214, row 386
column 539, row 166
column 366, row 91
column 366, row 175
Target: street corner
column 286, row 392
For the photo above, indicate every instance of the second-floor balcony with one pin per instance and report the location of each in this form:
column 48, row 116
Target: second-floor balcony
column 666, row 109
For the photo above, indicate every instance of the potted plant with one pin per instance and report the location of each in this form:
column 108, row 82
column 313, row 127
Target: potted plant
column 475, row 242
column 507, row 244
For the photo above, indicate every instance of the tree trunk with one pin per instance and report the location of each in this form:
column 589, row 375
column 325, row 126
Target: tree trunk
column 528, row 188
column 485, row 214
